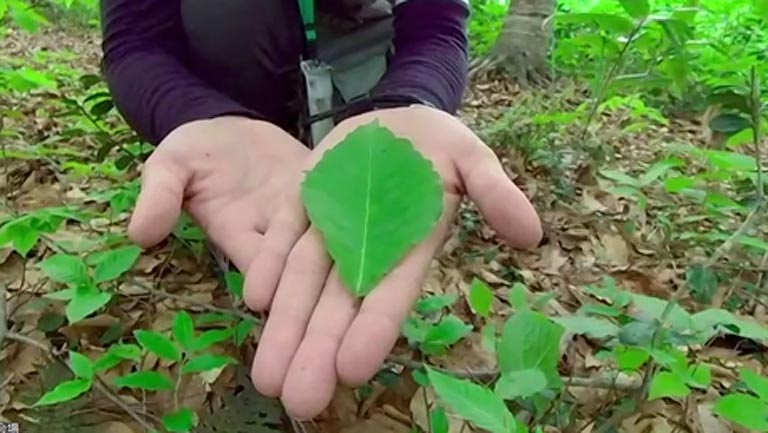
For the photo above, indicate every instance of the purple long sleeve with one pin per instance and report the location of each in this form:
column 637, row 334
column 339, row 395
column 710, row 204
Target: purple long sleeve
column 430, row 60
column 143, row 46
column 159, row 82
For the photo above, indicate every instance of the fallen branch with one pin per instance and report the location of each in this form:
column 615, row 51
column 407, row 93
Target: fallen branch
column 191, row 301
column 604, row 381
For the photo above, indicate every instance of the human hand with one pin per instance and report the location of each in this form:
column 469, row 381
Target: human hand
column 317, row 333
column 227, row 172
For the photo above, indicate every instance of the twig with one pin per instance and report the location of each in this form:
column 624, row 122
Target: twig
column 602, row 381
column 98, row 384
column 195, row 302
column 3, row 324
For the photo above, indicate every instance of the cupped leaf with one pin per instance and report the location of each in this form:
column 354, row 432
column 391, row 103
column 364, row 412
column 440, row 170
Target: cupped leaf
column 473, row 402
column 373, row 197
column 158, row 344
column 147, row 380
column 65, row 391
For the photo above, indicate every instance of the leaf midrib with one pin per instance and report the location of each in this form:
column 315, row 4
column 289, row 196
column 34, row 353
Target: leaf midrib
column 366, row 220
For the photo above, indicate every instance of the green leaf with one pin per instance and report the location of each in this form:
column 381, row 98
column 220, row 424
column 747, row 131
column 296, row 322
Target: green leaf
column 235, row 282
column 758, row 384
column 716, row 320
column 480, row 298
column 184, row 329
column 147, row 380
column 181, row 421
column 373, row 197
column 65, row 391
column 81, row 365
column 110, row 265
column 435, row 303
column 521, row 384
column 85, row 302
column 448, row 331
column 518, row 296
column 636, row 8
column 438, row 420
column 700, row 376
column 732, row 161
column 473, row 402
column 665, row 384
column 130, row 352
column 592, row 326
column 631, row 358
column 158, row 344
column 209, row 338
column 207, row 362
column 489, row 337
column 61, row 295
column 65, row 268
column 243, row 331
column 653, row 307
column 530, row 340
column 658, row 169
column 703, row 283
column 744, row 410
column 679, row 183
column 729, row 123
column 745, row 136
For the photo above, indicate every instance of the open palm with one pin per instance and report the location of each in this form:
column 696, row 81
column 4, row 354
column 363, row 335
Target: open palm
column 227, row 173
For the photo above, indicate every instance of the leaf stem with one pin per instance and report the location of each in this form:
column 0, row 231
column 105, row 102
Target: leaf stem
column 608, row 381
column 611, row 75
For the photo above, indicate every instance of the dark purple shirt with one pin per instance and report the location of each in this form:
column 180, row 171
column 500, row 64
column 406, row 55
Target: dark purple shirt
column 158, row 85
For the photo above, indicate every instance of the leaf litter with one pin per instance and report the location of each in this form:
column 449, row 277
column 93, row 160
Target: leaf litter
column 591, row 232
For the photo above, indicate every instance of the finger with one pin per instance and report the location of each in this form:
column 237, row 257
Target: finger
column 314, row 366
column 284, row 230
column 239, row 244
column 502, row 203
column 306, row 271
column 160, row 201
column 376, row 328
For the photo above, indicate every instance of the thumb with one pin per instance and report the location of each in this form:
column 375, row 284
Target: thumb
column 159, row 204
column 502, row 203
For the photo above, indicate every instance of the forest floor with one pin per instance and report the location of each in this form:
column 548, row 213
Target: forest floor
column 592, row 233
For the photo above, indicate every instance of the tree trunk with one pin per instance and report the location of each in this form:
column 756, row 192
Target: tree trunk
column 523, row 46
